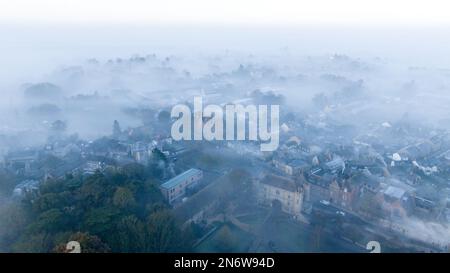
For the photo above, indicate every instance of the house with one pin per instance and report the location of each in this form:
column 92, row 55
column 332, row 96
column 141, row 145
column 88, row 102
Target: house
column 334, row 165
column 344, row 192
column 92, row 166
column 426, row 199
column 424, row 204
column 340, row 189
column 396, row 201
column 61, row 170
column 418, row 150
column 140, row 152
column 200, row 206
column 276, row 189
column 63, row 151
column 292, row 167
column 21, row 160
column 317, row 186
column 177, row 186
column 27, row 186
column 369, row 183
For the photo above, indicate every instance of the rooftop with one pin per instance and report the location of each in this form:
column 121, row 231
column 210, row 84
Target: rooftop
column 180, row 178
column 368, row 179
column 394, row 192
column 279, row 182
column 24, row 186
column 298, row 163
column 335, row 164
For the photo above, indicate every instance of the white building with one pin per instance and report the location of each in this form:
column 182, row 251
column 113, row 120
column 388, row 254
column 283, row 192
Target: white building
column 177, row 186
column 288, row 193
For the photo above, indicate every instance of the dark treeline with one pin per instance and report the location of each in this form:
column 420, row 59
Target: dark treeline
column 120, row 210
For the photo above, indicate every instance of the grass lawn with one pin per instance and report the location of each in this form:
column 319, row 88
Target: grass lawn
column 235, row 240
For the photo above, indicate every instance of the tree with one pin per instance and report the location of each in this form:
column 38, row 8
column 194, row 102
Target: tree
column 164, row 116
column 130, row 235
column 158, row 155
column 95, row 191
column 134, row 170
column 43, row 90
column 35, row 243
column 58, row 126
column 50, row 162
column 105, row 144
column 50, row 221
column 109, row 208
column 100, row 221
column 155, row 207
column 320, row 100
column 268, row 97
column 117, row 131
column 147, row 116
column 45, row 109
column 225, row 240
column 13, row 219
column 51, row 200
column 151, row 193
column 7, row 182
column 163, row 234
column 88, row 243
column 123, row 198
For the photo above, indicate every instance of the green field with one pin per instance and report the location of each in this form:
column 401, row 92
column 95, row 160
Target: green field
column 227, row 238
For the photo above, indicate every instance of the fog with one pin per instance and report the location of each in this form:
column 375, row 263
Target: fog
column 394, row 63
column 388, row 85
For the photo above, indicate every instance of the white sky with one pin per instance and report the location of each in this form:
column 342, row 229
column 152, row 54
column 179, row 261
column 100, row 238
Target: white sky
column 402, row 12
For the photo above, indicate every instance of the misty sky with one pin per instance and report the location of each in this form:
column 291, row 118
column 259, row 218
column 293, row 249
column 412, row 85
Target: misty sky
column 227, row 12
column 38, row 35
